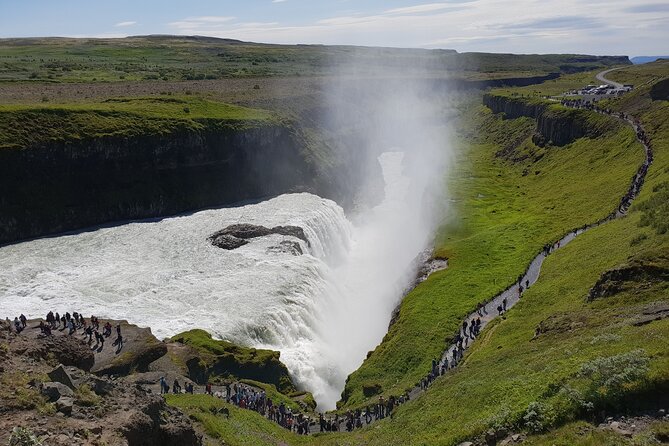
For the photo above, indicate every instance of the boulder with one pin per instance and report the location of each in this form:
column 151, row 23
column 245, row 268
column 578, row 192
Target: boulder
column 292, row 231
column 54, row 391
column 64, row 405
column 101, row 386
column 236, row 235
column 60, row 375
column 245, row 231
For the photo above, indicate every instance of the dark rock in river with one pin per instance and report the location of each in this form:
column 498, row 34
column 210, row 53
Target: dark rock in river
column 236, row 235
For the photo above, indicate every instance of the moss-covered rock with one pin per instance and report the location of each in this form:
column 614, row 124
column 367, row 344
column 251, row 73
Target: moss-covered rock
column 209, row 359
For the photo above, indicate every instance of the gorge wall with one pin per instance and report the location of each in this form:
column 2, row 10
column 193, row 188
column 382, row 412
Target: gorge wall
column 556, row 126
column 66, row 185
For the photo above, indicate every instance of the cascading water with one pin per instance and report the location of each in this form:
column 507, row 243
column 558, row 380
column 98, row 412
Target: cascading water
column 323, row 310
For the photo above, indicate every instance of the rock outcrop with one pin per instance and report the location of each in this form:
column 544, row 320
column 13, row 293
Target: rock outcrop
column 660, row 90
column 140, row 348
column 635, row 273
column 208, row 359
column 237, row 235
column 65, row 404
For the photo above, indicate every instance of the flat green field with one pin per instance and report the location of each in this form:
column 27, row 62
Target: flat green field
column 166, row 58
column 29, row 125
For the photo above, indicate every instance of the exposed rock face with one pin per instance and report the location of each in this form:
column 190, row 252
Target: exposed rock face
column 140, row 348
column 66, row 185
column 65, row 349
column 237, row 235
column 640, row 272
column 660, row 91
column 146, row 427
column 555, row 126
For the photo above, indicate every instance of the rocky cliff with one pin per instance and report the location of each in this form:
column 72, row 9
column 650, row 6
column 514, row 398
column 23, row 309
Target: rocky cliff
column 64, row 185
column 556, row 125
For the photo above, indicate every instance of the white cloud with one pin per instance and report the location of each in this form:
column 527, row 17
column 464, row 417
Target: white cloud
column 416, row 9
column 278, row 1
column 577, row 26
column 122, row 24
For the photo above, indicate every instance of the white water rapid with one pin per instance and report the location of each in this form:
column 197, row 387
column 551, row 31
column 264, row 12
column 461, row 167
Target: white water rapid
column 323, row 310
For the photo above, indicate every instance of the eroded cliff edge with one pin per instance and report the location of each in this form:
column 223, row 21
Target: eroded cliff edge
column 67, row 177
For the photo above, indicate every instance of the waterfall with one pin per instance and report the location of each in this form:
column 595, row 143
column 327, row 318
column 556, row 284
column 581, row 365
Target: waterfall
column 323, row 310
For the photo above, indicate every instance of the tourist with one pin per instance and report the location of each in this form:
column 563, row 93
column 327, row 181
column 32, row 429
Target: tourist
column 107, row 329
column 164, row 388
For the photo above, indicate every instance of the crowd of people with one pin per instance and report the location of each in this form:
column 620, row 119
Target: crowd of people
column 73, row 323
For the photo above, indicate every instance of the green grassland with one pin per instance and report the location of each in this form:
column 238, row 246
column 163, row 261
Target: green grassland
column 641, row 75
column 24, row 126
column 580, row 433
column 168, row 58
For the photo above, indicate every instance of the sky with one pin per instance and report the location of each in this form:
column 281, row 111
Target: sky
column 602, row 27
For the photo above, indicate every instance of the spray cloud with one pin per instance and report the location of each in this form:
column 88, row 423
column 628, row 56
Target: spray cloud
column 396, row 121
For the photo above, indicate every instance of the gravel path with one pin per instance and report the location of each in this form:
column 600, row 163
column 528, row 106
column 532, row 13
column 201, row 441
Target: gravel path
column 600, row 77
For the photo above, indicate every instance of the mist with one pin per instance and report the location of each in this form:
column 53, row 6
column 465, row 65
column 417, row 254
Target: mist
column 401, row 123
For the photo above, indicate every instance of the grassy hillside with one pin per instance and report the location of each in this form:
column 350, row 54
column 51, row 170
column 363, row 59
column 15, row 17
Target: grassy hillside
column 167, row 58
column 242, row 428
